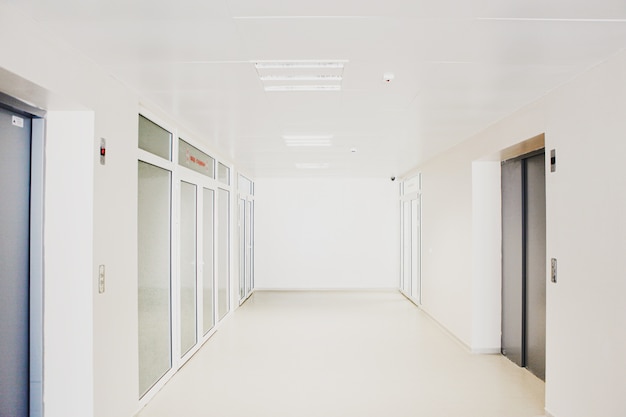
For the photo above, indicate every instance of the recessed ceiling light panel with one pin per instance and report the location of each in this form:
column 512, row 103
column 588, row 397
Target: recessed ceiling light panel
column 301, row 88
column 308, row 140
column 301, row 76
column 300, row 64
column 313, row 165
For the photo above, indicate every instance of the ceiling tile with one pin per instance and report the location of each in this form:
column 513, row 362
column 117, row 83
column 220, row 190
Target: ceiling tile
column 458, row 67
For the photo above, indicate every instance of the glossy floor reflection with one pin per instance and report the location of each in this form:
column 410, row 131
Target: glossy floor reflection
column 342, row 354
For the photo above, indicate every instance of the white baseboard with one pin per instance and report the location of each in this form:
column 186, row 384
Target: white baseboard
column 495, row 350
column 411, row 299
column 446, row 330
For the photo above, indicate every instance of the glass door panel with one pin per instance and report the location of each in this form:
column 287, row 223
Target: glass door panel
column 242, row 249
column 415, row 250
column 153, row 251
column 248, row 239
column 223, row 252
column 208, row 235
column 406, row 247
column 251, row 245
column 188, row 323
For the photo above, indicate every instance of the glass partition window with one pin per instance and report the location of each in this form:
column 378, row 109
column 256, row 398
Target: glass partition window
column 223, row 174
column 194, row 159
column 153, row 252
column 223, row 252
column 183, row 244
column 188, row 313
column 154, row 139
column 245, row 186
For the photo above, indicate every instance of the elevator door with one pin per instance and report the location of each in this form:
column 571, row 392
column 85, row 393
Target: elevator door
column 512, row 262
column 15, row 136
column 536, row 265
column 524, row 262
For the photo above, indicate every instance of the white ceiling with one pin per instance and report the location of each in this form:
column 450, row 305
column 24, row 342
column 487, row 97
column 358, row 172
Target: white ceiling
column 459, row 66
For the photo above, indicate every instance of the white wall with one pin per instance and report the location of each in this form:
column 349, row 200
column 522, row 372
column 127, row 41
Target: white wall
column 326, row 233
column 330, row 233
column 68, row 306
column 486, row 257
column 90, row 339
column 586, row 228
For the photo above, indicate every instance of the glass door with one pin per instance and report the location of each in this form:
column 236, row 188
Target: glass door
column 154, row 217
column 188, row 278
column 249, row 215
column 416, row 284
column 242, row 249
column 195, row 284
column 196, row 262
column 208, row 260
column 223, row 252
column 246, row 237
column 406, row 247
column 411, row 232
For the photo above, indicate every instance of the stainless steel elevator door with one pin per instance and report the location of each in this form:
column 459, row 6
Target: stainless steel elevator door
column 15, row 136
column 524, row 262
column 512, row 262
column 536, row 265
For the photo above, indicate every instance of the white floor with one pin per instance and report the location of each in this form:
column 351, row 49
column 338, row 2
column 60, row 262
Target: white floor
column 342, row 354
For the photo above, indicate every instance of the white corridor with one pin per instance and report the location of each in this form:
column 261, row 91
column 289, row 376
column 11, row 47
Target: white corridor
column 342, row 354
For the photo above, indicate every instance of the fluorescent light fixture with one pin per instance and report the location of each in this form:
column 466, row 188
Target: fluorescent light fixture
column 551, row 19
column 301, row 75
column 301, row 78
column 308, row 140
column 304, row 143
column 276, row 17
column 301, row 88
column 313, row 165
column 300, row 64
column 307, row 137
